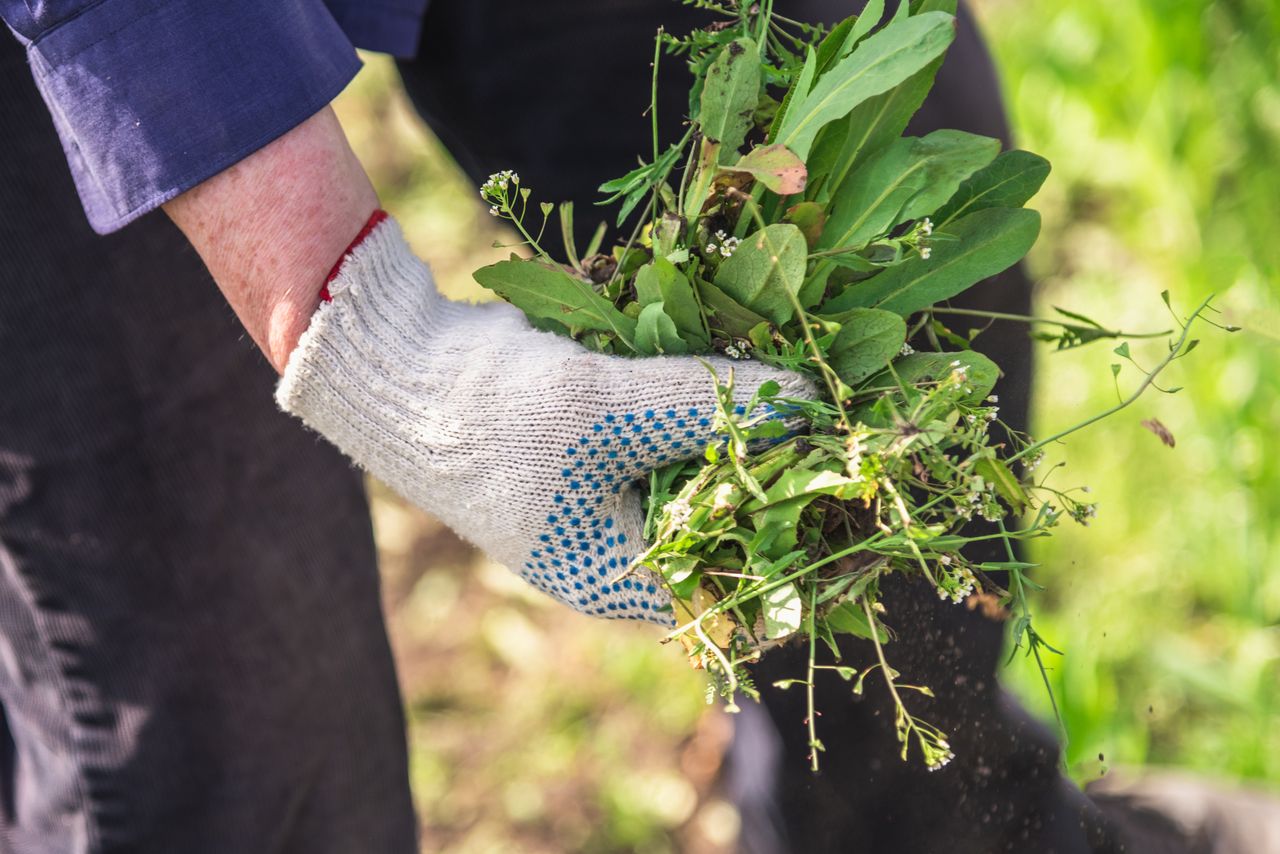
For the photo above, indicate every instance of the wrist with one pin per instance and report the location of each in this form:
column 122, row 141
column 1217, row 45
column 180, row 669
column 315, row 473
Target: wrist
column 270, row 228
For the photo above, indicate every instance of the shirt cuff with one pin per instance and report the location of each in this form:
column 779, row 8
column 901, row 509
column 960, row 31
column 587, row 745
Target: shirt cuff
column 387, row 26
column 151, row 97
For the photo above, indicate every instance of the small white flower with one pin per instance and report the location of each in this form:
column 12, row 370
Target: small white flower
column 728, row 245
column 926, row 227
column 991, row 398
column 711, row 249
column 940, row 761
column 493, row 210
column 679, row 511
column 906, row 350
column 925, row 252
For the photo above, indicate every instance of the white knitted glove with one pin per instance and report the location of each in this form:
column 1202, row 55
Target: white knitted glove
column 521, row 441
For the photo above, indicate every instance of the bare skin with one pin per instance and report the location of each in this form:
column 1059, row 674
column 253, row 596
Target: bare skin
column 271, row 227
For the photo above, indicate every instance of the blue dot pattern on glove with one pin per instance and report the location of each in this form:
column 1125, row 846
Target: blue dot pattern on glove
column 582, row 548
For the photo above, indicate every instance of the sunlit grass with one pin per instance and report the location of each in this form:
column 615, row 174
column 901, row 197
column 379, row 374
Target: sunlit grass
column 1163, row 125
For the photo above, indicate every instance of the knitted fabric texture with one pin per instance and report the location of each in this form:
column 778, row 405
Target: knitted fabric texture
column 521, row 441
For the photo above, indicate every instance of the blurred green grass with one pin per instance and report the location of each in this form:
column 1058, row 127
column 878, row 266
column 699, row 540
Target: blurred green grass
column 1162, row 120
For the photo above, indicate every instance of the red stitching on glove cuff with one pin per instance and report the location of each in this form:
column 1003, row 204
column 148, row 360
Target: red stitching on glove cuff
column 374, row 218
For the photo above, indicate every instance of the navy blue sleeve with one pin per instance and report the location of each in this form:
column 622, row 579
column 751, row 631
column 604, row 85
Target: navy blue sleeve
column 151, row 97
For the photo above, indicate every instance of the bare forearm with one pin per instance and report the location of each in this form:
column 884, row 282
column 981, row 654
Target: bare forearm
column 270, row 227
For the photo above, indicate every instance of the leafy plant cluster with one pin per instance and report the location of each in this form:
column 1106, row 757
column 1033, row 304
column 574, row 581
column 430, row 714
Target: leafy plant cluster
column 793, row 223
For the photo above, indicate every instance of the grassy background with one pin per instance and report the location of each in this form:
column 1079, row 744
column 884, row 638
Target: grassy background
column 534, row 729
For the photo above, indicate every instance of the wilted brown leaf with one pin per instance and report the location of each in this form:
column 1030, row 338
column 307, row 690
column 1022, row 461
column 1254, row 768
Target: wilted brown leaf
column 1154, row 425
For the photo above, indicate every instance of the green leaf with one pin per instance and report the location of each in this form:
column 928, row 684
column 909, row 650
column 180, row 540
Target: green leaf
column 976, row 247
column 661, row 281
column 727, row 314
column 833, row 45
column 950, row 157
column 775, row 167
column 867, row 204
column 848, row 618
column 846, row 144
column 544, row 292
column 921, row 6
column 906, row 180
column 765, row 268
column 729, row 95
column 810, row 218
column 1005, row 482
column 636, row 184
column 776, row 527
column 1009, row 181
column 799, row 88
column 868, row 340
column 781, row 611
column 867, row 19
column 935, row 367
column 879, row 63
column 656, row 332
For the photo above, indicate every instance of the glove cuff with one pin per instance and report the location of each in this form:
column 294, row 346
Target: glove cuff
column 377, row 301
column 374, row 219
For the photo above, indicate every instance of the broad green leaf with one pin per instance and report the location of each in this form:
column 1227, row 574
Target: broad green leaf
column 1005, row 482
column 845, row 144
column 661, row 281
column 876, row 65
column 950, row 157
column 907, row 179
column 981, row 372
column 776, row 527
column 544, row 292
column 805, row 482
column 728, row 314
column 781, row 611
column 679, row 573
column 656, row 332
column 1008, row 182
column 730, row 94
column 868, row 340
column 848, row 618
column 973, row 248
column 867, row 204
column 766, row 271
column 775, row 167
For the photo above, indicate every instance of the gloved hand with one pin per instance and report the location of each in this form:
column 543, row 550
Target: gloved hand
column 521, row 441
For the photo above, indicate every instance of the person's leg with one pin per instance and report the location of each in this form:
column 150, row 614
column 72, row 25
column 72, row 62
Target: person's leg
column 192, row 652
column 557, row 91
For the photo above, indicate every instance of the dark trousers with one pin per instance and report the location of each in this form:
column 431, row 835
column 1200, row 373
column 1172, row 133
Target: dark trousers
column 560, row 96
column 192, row 653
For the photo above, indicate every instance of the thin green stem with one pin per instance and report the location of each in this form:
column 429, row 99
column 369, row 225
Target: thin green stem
column 1147, row 381
column 1049, row 321
column 814, row 745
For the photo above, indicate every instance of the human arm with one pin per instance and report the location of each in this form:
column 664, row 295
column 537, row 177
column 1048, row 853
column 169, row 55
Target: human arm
column 271, row 227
